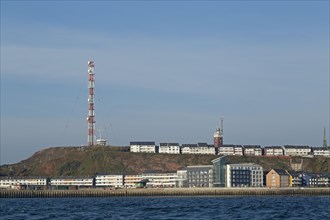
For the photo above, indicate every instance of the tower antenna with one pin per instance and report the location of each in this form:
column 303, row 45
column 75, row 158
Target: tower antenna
column 91, row 113
column 325, row 144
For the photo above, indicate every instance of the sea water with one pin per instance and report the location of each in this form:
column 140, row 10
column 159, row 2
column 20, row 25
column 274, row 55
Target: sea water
column 263, row 207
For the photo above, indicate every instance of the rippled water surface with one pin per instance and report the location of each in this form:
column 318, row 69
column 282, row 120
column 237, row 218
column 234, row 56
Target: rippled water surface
column 167, row 208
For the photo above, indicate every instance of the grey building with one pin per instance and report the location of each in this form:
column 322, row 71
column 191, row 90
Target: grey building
column 195, row 176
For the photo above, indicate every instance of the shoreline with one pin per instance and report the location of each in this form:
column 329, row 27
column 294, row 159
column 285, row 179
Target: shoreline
column 165, row 192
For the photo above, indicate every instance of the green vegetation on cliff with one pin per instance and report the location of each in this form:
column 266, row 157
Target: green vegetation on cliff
column 85, row 161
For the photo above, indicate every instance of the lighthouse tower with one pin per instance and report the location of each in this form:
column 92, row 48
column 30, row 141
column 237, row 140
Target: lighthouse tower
column 218, row 136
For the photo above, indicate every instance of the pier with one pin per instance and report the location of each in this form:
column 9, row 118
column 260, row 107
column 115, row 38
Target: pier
column 176, row 192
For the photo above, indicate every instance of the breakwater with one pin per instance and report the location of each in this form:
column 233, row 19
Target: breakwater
column 177, row 192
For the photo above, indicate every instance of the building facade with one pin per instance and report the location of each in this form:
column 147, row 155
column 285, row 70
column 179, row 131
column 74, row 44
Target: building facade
column 143, row 147
column 273, row 151
column 132, row 180
column 291, row 150
column 219, row 171
column 278, row 178
column 252, row 150
column 169, row 148
column 321, row 151
column 116, row 181
column 24, row 183
column 244, row 175
column 231, row 150
column 200, row 176
column 200, row 148
column 157, row 179
column 66, row 182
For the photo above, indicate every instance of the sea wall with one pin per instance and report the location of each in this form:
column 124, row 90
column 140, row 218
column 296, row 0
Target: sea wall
column 177, row 192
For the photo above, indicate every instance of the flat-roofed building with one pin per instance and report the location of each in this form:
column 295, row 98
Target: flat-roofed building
column 244, row 175
column 200, row 176
column 160, row 179
column 109, row 180
column 73, row 181
column 293, row 150
column 278, row 178
column 273, row 151
column 169, row 148
column 24, row 182
column 182, row 179
column 321, row 151
column 143, row 147
column 132, row 180
column 252, row 150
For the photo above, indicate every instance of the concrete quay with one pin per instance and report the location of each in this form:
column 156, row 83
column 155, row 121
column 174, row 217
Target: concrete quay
column 166, row 192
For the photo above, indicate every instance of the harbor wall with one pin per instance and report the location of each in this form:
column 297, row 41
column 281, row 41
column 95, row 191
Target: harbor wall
column 176, row 192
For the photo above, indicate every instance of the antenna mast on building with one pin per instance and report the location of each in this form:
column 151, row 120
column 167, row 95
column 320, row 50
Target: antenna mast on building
column 91, row 113
column 221, row 131
column 325, row 144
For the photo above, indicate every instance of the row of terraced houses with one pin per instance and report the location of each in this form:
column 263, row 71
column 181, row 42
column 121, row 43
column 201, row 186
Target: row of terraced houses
column 218, row 174
column 246, row 150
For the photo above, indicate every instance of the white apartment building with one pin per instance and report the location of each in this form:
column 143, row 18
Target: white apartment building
column 290, row 150
column 200, row 148
column 16, row 183
column 130, row 181
column 231, row 150
column 72, row 181
column 116, row 181
column 321, row 151
column 169, row 148
column 160, row 179
column 244, row 175
column 273, row 151
column 143, row 147
column 252, row 150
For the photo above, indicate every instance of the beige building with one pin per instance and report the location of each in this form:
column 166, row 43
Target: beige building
column 278, row 178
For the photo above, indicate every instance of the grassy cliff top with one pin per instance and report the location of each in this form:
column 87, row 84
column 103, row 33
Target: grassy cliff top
column 86, row 161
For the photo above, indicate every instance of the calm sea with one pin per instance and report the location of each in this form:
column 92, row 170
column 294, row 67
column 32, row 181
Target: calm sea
column 168, row 208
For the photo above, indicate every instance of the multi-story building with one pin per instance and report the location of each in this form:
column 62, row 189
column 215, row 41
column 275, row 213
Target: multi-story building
column 25, row 183
column 278, row 178
column 200, row 148
column 67, row 182
column 195, row 176
column 109, row 180
column 231, row 150
column 244, row 175
column 321, row 151
column 160, row 179
column 132, row 180
column 295, row 179
column 169, row 148
column 291, row 150
column 200, row 176
column 219, row 171
column 143, row 147
column 273, row 151
column 182, row 179
column 252, row 150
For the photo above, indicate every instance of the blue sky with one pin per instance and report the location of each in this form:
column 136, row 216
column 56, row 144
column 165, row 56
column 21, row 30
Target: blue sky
column 165, row 71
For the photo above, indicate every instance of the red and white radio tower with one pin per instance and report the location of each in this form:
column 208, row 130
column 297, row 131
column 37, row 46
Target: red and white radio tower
column 91, row 114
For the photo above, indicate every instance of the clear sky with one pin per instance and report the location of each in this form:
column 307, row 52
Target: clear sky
column 165, row 71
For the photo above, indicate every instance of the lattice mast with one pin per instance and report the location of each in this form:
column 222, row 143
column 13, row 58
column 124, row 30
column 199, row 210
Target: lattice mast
column 91, row 114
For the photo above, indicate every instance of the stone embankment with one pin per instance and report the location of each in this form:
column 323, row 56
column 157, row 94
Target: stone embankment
column 177, row 192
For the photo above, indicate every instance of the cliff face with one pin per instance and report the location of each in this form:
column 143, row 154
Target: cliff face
column 77, row 161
